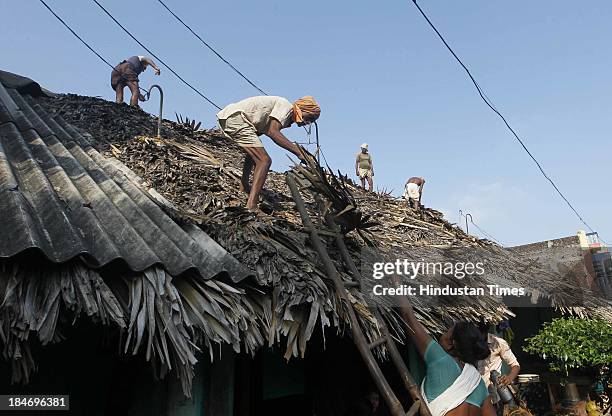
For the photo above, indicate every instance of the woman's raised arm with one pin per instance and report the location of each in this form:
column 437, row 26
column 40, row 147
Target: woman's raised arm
column 416, row 330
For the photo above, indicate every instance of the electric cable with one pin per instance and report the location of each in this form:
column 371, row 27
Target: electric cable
column 156, row 57
column 218, row 54
column 486, row 234
column 212, row 49
column 492, row 107
column 76, row 35
column 81, row 39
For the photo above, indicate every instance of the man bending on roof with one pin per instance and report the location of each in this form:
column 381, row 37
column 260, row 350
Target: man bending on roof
column 413, row 191
column 246, row 120
column 364, row 167
column 126, row 74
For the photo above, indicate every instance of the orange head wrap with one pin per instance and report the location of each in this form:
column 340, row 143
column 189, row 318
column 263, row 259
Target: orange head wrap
column 306, row 106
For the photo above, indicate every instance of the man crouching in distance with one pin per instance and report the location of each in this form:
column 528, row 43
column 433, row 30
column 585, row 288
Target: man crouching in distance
column 248, row 119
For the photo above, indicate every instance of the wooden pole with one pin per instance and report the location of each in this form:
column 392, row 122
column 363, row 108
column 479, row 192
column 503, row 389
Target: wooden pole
column 383, row 386
column 396, row 357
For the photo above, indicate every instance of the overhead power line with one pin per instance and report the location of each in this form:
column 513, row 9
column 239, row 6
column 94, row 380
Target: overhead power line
column 482, row 231
column 156, row 57
column 75, row 34
column 212, row 49
column 80, row 38
column 492, row 107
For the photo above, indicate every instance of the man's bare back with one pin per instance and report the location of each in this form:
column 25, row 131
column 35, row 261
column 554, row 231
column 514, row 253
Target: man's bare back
column 417, row 180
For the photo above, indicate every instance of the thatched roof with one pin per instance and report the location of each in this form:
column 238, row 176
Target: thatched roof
column 80, row 238
column 193, row 176
column 198, row 172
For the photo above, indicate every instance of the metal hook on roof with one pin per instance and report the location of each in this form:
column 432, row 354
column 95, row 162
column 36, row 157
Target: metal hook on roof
column 317, row 138
column 161, row 106
column 467, row 229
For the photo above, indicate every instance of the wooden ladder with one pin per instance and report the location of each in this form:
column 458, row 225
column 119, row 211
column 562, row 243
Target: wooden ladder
column 365, row 348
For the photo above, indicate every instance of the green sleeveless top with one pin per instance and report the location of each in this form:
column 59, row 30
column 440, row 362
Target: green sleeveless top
column 442, row 371
column 364, row 160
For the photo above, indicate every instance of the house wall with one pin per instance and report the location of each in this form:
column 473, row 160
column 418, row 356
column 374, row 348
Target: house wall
column 219, row 384
column 570, row 257
column 81, row 367
column 281, row 378
column 100, row 383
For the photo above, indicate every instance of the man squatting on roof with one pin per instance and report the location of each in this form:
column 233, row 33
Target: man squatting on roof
column 500, row 352
column 364, row 167
column 413, row 191
column 245, row 120
column 125, row 74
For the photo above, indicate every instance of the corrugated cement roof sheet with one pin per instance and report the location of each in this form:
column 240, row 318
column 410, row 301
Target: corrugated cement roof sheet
column 61, row 196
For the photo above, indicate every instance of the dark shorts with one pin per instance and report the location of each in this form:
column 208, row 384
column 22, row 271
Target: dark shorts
column 123, row 75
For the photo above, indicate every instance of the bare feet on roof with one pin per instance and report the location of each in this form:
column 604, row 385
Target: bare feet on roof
column 260, row 214
column 246, row 188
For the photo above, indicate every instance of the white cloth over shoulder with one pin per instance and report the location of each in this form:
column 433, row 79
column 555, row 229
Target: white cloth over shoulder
column 411, row 190
column 456, row 394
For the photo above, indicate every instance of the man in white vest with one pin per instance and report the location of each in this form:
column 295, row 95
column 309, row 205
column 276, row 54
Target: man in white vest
column 244, row 121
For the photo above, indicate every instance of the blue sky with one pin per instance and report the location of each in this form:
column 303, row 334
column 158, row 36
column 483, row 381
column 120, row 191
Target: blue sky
column 381, row 76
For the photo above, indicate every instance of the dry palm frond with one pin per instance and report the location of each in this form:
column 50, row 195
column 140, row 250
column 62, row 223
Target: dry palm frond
column 333, row 188
column 191, row 126
column 164, row 319
column 31, row 298
column 384, row 193
column 196, row 153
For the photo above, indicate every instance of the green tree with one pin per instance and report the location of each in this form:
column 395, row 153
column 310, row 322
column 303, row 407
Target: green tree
column 567, row 343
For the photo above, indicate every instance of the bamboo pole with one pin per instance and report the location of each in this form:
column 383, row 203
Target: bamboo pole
column 383, row 386
column 396, row 357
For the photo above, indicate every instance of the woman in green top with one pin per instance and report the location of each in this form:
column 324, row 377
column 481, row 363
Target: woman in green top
column 451, row 375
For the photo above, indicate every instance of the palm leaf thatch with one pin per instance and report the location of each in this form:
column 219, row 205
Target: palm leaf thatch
column 31, row 299
column 190, row 126
column 161, row 318
column 291, row 295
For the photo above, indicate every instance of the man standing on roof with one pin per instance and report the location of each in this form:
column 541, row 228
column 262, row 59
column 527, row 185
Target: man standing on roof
column 246, row 120
column 500, row 353
column 364, row 167
column 126, row 74
column 413, row 190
